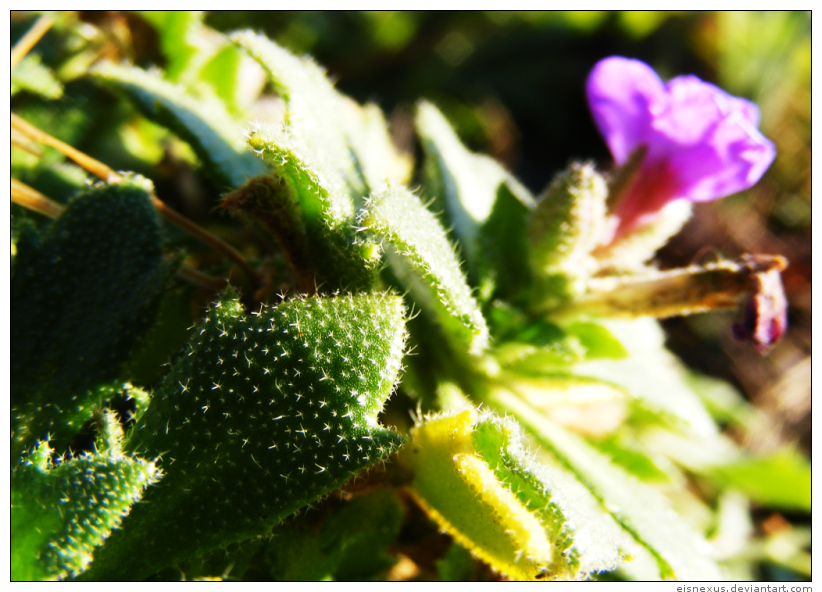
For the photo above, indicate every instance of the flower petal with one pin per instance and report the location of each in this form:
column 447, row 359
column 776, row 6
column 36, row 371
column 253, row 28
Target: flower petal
column 700, row 142
column 623, row 94
column 733, row 159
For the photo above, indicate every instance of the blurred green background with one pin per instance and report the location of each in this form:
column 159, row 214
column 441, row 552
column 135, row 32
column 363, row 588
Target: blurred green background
column 512, row 83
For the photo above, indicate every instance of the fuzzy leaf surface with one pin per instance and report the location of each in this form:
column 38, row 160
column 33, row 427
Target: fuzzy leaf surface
column 262, row 415
column 60, row 513
column 477, row 481
column 316, row 114
column 307, row 209
column 420, row 255
column 563, row 229
column 680, row 552
column 203, row 122
column 80, row 304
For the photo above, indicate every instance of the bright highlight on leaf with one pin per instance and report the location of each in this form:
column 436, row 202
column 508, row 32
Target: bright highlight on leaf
column 250, row 452
column 462, row 183
column 478, row 482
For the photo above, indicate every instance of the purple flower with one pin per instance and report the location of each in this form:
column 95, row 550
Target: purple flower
column 701, row 143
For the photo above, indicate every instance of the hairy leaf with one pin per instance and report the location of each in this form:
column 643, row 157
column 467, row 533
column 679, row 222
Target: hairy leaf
column 679, row 551
column 421, row 257
column 308, row 212
column 61, row 512
column 563, row 230
column 474, row 477
column 316, row 114
column 463, row 184
column 80, row 304
column 262, row 415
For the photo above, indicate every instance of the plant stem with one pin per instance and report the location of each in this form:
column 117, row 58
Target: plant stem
column 109, row 175
column 199, row 279
column 30, row 39
column 33, row 200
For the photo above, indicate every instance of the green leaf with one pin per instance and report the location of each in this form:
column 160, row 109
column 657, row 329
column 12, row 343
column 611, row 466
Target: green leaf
column 476, row 480
column 653, row 375
column 222, row 73
column 181, row 41
column 780, row 480
column 680, row 552
column 463, row 184
column 261, row 415
column 503, row 243
column 80, row 304
column 723, row 401
column 598, row 341
column 201, row 121
column 642, row 462
column 539, row 348
column 419, row 254
column 351, row 545
column 32, row 76
column 310, row 216
column 374, row 153
column 61, row 512
column 457, row 565
column 317, row 118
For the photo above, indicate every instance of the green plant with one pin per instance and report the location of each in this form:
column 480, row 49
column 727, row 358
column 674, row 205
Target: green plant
column 276, row 401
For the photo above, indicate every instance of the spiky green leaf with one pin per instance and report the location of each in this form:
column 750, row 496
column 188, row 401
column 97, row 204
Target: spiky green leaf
column 316, row 115
column 80, row 304
column 476, row 479
column 61, row 512
column 262, row 415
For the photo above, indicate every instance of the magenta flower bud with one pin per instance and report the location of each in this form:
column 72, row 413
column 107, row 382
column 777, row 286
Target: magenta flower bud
column 701, row 143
